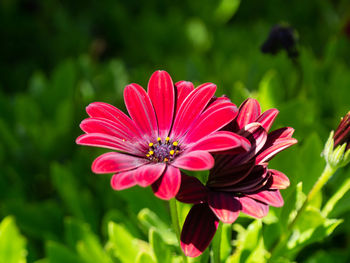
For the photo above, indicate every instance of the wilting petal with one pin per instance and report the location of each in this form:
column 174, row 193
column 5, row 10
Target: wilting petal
column 183, row 88
column 105, row 126
column 107, row 141
column 148, row 174
column 270, row 197
column 279, row 180
column 141, row 110
column 221, row 141
column 113, row 162
column 282, row 133
column 278, row 146
column 191, row 108
column 198, row 230
column 254, row 180
column 212, row 119
column 225, row 206
column 249, row 111
column 194, row 161
column 123, row 180
column 192, row 191
column 167, row 186
column 161, row 93
column 109, row 112
column 253, row 208
column 266, row 119
column 229, row 174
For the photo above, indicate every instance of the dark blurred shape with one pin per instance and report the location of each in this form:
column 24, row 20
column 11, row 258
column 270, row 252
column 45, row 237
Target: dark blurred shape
column 347, row 29
column 281, row 37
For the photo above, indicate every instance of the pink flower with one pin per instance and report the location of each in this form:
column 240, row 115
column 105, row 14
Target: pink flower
column 171, row 127
column 238, row 182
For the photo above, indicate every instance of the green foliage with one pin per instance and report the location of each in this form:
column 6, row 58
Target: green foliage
column 53, row 66
column 12, row 244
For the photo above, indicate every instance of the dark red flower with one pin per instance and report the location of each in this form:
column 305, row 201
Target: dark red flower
column 239, row 182
column 171, row 127
column 342, row 133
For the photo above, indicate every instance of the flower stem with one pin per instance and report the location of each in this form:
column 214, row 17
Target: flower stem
column 217, row 244
column 336, row 197
column 322, row 180
column 175, row 221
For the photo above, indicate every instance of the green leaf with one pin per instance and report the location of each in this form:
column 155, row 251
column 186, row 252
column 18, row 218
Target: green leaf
column 311, row 163
column 80, row 237
column 58, row 253
column 148, row 219
column 226, row 10
column 161, row 251
column 123, row 245
column 143, row 257
column 12, row 244
column 270, row 92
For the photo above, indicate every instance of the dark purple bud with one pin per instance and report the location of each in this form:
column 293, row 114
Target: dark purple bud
column 342, row 133
column 281, row 37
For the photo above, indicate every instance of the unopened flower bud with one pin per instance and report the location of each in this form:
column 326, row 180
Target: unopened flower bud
column 336, row 151
column 281, row 37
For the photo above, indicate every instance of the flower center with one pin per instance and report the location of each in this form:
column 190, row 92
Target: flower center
column 163, row 151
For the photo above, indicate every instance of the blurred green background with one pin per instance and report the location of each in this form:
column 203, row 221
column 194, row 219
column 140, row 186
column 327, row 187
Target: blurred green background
column 57, row 56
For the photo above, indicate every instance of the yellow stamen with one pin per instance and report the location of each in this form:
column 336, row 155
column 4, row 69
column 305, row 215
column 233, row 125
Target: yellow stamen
column 150, row 144
column 167, row 139
column 175, row 143
column 159, row 139
column 150, row 152
column 147, row 155
column 172, row 152
column 166, row 159
column 177, row 151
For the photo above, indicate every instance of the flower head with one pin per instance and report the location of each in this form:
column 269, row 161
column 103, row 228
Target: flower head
column 337, row 148
column 169, row 127
column 239, row 182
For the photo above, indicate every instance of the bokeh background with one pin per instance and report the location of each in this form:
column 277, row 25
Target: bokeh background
column 57, row 56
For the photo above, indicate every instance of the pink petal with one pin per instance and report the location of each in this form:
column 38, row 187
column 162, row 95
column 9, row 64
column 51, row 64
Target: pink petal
column 249, row 111
column 184, row 88
column 148, row 174
column 141, row 110
column 253, row 208
column 198, row 230
column 123, row 180
column 221, row 141
column 191, row 108
column 109, row 112
column 167, row 186
column 113, row 162
column 107, row 141
column 275, row 148
column 267, row 118
column 161, row 93
column 105, row 126
column 279, row 180
column 270, row 197
column 194, row 161
column 225, row 206
column 192, row 191
column 212, row 119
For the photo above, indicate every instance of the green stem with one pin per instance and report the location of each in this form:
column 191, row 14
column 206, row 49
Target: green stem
column 217, row 244
column 322, row 180
column 336, row 197
column 175, row 221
